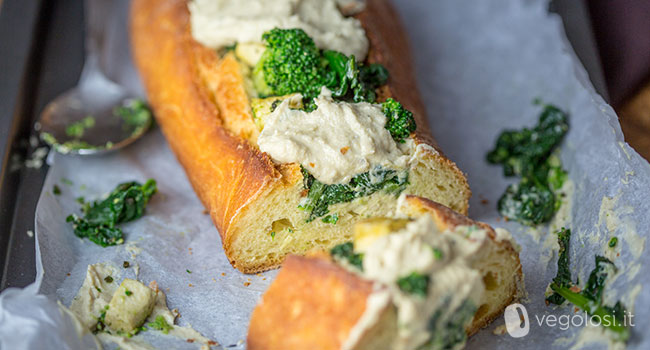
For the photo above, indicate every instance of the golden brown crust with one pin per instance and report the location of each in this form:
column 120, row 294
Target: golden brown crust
column 389, row 46
column 225, row 171
column 202, row 107
column 319, row 302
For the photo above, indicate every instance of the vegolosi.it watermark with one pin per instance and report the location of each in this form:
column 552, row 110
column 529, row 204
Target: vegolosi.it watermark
column 518, row 322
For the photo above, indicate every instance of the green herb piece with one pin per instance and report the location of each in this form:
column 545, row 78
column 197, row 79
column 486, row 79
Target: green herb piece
column 126, row 265
column 345, row 251
column 589, row 299
column 108, row 279
column 273, row 235
column 78, row 128
column 331, row 219
column 66, row 181
column 56, row 190
column 415, row 283
column 125, row 203
column 98, row 289
column 320, row 196
column 101, row 322
column 563, row 276
column 400, row 121
column 612, row 242
column 527, row 153
column 437, row 253
column 188, row 271
column 135, row 113
column 128, row 292
column 160, row 324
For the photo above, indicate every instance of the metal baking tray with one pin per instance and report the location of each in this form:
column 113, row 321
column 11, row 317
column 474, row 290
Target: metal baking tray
column 41, row 55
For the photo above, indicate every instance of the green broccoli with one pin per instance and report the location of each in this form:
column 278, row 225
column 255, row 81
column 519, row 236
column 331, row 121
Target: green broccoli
column 400, row 121
column 290, row 64
column 293, row 64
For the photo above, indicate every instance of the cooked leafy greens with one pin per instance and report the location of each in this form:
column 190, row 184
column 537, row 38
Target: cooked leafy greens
column 563, row 277
column 400, row 121
column 447, row 333
column 320, row 196
column 351, row 81
column 345, row 251
column 415, row 283
column 528, row 153
column 589, row 299
column 125, row 203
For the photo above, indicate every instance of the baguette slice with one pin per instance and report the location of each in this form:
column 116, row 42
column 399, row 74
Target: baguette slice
column 202, row 103
column 314, row 303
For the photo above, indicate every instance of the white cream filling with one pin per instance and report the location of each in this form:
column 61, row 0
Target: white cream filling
column 336, row 141
column 443, row 256
column 219, row 23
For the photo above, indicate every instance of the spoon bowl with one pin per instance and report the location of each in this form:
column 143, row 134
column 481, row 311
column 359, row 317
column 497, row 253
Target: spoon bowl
column 86, row 120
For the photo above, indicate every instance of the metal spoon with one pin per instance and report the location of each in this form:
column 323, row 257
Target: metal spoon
column 92, row 105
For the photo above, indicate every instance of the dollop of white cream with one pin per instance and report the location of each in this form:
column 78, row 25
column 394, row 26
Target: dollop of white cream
column 219, row 23
column 443, row 256
column 336, row 141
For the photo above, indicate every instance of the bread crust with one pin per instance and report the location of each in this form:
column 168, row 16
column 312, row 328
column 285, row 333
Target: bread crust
column 201, row 104
column 302, row 281
column 336, row 300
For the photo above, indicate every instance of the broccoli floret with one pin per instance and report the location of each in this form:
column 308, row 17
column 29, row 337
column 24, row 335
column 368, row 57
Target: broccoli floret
column 290, row 64
column 293, row 64
column 400, row 121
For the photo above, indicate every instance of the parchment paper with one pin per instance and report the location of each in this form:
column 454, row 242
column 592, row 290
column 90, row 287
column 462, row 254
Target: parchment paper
column 479, row 65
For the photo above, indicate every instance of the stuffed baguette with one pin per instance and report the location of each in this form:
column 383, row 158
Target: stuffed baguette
column 343, row 301
column 204, row 103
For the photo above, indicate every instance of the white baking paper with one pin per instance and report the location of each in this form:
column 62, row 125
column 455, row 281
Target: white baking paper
column 479, row 65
